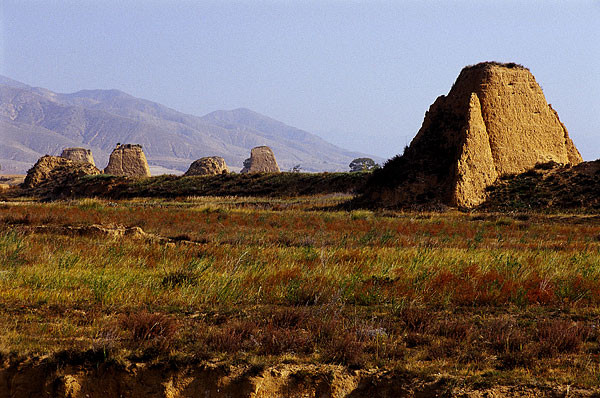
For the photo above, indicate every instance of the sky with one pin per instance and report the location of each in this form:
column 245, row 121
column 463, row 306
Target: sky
column 360, row 74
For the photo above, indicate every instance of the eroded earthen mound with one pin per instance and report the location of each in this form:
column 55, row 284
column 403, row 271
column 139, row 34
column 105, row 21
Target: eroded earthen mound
column 262, row 160
column 207, row 166
column 56, row 170
column 494, row 121
column 78, row 155
column 128, row 160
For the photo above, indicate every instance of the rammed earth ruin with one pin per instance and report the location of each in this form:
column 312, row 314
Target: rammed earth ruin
column 128, row 160
column 261, row 160
column 78, row 155
column 494, row 121
column 211, row 165
column 57, row 170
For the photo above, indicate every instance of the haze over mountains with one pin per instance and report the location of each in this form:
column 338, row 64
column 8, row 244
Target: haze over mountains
column 35, row 121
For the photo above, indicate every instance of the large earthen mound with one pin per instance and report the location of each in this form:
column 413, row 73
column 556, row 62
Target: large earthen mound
column 55, row 170
column 494, row 121
column 262, row 160
column 208, row 166
column 128, row 160
column 78, row 155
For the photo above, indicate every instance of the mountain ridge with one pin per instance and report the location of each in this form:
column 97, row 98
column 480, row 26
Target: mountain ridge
column 35, row 121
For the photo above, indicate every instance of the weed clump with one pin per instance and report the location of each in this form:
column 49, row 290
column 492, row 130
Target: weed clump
column 179, row 278
column 145, row 327
column 560, row 336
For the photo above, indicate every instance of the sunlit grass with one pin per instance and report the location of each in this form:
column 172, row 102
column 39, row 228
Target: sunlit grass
column 225, row 265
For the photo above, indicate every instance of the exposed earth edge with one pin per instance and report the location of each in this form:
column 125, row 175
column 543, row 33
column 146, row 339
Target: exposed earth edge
column 44, row 379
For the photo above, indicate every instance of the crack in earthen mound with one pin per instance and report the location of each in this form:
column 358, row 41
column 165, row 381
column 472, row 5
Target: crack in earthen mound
column 494, row 121
column 128, row 160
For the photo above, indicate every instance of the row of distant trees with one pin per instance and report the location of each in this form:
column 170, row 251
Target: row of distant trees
column 358, row 164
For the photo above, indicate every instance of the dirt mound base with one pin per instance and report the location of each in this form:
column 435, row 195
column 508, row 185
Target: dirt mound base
column 54, row 170
column 548, row 186
column 494, row 121
column 128, row 160
column 262, row 160
column 207, row 166
column 78, row 155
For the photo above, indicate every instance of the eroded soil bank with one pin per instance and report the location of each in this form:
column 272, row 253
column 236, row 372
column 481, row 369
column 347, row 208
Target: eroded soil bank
column 43, row 379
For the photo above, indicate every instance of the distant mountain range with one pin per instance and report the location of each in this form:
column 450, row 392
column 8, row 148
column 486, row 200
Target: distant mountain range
column 35, row 121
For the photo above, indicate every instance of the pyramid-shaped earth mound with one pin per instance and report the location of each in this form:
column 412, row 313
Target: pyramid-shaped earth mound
column 128, row 160
column 494, row 121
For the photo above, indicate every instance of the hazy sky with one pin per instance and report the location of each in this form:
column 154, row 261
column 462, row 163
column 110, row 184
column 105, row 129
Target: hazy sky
column 359, row 73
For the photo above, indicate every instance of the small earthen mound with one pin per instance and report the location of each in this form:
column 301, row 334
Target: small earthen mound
column 128, row 160
column 98, row 231
column 262, row 160
column 494, row 121
column 57, row 171
column 78, row 155
column 549, row 187
column 207, row 166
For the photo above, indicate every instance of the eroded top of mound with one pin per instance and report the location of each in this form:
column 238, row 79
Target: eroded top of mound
column 494, row 121
column 78, row 155
column 55, row 170
column 495, row 64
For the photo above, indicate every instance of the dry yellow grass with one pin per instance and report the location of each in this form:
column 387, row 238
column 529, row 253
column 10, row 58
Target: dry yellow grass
column 477, row 296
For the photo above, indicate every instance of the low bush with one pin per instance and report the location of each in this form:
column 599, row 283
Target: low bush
column 144, row 326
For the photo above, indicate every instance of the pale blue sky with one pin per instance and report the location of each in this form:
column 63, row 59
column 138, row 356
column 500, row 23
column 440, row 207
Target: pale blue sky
column 359, row 73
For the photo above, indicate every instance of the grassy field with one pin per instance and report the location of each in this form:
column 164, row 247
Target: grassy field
column 286, row 184
column 487, row 297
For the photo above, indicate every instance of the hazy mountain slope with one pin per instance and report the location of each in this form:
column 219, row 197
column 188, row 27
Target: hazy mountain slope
column 22, row 144
column 294, row 143
column 13, row 83
column 241, row 128
column 246, row 118
column 36, row 121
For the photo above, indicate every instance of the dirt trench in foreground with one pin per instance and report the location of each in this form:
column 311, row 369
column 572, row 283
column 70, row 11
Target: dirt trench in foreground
column 111, row 380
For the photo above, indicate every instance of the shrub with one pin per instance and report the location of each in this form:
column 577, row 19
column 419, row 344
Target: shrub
column 415, row 319
column 344, row 349
column 560, row 336
column 505, row 335
column 275, row 341
column 442, row 349
column 179, row 278
column 156, row 328
column 234, row 336
column 523, row 359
